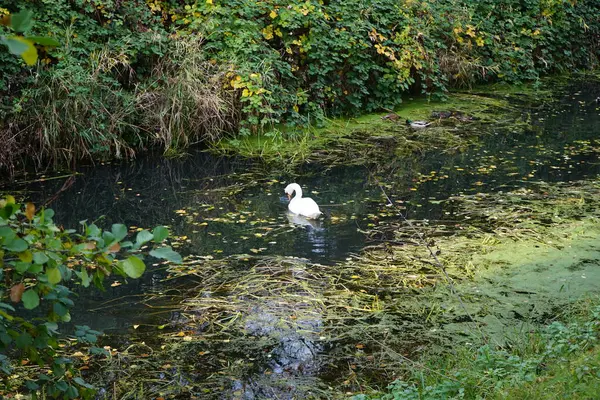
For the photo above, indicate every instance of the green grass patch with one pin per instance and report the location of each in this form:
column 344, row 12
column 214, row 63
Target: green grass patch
column 560, row 361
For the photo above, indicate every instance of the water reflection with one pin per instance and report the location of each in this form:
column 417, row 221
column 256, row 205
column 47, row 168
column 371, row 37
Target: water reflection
column 315, row 231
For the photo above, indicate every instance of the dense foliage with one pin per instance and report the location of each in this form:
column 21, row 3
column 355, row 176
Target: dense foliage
column 39, row 264
column 135, row 73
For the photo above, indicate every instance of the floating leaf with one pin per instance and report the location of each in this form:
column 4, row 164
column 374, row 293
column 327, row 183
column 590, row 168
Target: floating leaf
column 166, row 253
column 16, row 292
column 133, row 267
column 30, row 299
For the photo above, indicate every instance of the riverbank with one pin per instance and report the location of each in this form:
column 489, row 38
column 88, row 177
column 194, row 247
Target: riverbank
column 179, row 74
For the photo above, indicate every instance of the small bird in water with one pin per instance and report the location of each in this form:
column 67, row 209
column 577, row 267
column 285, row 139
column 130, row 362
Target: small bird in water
column 417, row 124
column 391, row 117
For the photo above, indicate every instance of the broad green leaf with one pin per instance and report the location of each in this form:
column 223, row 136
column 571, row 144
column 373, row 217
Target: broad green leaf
column 60, row 309
column 26, row 256
column 43, row 40
column 35, row 268
column 6, row 234
column 22, row 267
column 92, row 230
column 119, row 230
column 133, row 267
column 85, row 278
column 17, row 245
column 40, row 258
column 30, row 299
column 83, row 383
column 24, row 340
column 160, row 233
column 166, row 253
column 53, row 275
column 22, row 21
column 143, row 237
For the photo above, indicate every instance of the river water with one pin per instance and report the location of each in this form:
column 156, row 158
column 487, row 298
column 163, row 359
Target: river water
column 222, row 208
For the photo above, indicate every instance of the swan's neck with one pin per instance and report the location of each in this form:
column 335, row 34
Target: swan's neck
column 298, row 191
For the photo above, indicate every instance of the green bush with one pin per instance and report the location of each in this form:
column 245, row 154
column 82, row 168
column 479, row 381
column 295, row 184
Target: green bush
column 39, row 263
column 183, row 71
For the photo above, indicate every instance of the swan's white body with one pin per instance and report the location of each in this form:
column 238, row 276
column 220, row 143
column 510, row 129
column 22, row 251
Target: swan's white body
column 304, row 206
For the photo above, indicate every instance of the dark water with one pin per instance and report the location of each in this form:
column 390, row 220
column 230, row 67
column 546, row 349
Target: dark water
column 226, row 206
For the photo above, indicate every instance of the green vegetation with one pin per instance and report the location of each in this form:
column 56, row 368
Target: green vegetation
column 129, row 75
column 39, row 265
column 562, row 361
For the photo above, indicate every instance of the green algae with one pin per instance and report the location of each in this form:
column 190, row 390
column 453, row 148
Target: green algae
column 359, row 141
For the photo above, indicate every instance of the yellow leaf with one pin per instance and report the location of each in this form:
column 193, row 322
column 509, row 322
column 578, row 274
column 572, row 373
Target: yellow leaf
column 273, row 14
column 209, row 2
column 136, row 326
column 246, row 93
column 29, row 211
column 26, row 256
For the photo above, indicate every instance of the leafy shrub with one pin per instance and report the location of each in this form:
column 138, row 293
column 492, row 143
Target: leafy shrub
column 38, row 263
column 189, row 70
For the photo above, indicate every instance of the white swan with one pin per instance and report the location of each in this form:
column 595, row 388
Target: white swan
column 302, row 205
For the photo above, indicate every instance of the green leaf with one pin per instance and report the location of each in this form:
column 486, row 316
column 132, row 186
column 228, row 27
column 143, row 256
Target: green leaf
column 43, row 40
column 20, row 46
column 133, row 267
column 83, row 383
column 17, row 245
column 7, row 234
column 24, row 340
column 40, row 258
column 119, row 230
column 30, row 299
column 160, row 233
column 22, row 267
column 22, row 21
column 85, row 278
column 143, row 237
column 60, row 309
column 53, row 275
column 166, row 253
column 92, row 230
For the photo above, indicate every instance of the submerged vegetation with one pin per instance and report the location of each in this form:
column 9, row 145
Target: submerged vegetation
column 164, row 73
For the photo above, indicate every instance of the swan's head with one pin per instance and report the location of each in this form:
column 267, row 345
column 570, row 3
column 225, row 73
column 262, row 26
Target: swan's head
column 291, row 188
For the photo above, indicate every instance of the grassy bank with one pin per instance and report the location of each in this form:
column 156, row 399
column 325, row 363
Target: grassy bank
column 181, row 72
column 558, row 361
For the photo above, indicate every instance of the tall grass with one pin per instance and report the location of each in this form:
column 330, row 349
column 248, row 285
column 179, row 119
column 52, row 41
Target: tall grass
column 102, row 110
column 78, row 111
column 185, row 101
